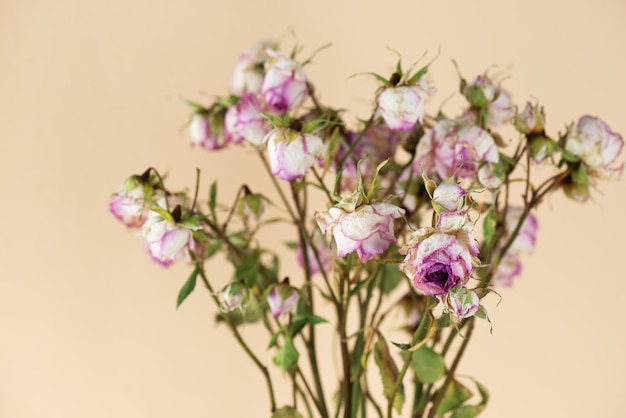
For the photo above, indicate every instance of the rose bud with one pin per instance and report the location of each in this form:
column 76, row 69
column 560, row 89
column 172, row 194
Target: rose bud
column 128, row 205
column 285, row 85
column 527, row 235
column 438, row 259
column 489, row 177
column 368, row 230
column 250, row 205
column 167, row 240
column 480, row 92
column 402, row 107
column 233, row 296
column 207, row 131
column 436, row 262
column 452, row 147
column 448, row 197
column 248, row 74
column 244, row 121
column 501, row 110
column 593, row 141
column 509, row 267
column 460, row 302
column 530, row 120
column 292, row 153
column 282, row 299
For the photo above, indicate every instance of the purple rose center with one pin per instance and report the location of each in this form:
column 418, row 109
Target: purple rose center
column 439, row 277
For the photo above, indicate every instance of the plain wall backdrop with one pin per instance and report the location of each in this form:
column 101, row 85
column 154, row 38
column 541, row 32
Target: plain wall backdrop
column 90, row 93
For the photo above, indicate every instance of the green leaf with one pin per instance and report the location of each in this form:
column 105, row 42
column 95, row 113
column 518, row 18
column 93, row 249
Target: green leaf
column 465, row 411
column 568, row 156
column 428, row 365
column 212, row 198
column 402, row 346
column 392, row 278
column 300, row 320
column 287, row 356
column 489, row 228
column 188, row 287
column 454, row 397
column 291, row 245
column 212, row 249
column 286, row 412
column 389, row 373
column 248, row 270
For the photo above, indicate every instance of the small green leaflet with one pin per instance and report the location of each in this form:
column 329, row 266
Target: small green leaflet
column 188, row 287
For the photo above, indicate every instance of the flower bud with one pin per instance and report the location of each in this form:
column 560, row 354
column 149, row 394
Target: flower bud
column 500, row 110
column 530, row 120
column 368, row 230
column 491, row 176
column 285, row 85
column 128, row 205
column 448, row 197
column 249, row 72
column 207, row 130
column 167, row 239
column 244, row 121
column 593, row 141
column 460, row 302
column 292, row 153
column 250, row 205
column 402, row 107
column 233, row 296
column 480, row 92
column 282, row 299
column 541, row 147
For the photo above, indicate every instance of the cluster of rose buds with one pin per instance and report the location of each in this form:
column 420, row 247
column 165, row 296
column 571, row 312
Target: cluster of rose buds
column 409, row 187
column 142, row 204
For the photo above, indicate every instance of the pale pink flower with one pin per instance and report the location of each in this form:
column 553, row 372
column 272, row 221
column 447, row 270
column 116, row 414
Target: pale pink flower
column 233, row 296
column 128, row 205
column 509, row 268
column 501, row 110
column 527, row 236
column 593, row 141
column 207, row 131
column 249, row 72
column 282, row 299
column 368, row 230
column 285, row 84
column 530, row 120
column 438, row 259
column 488, row 178
column 452, row 147
column 245, row 122
column 402, row 107
column 292, row 153
column 167, row 241
column 449, row 197
column 460, row 302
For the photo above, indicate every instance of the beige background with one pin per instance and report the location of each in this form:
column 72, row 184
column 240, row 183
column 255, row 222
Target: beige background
column 89, row 93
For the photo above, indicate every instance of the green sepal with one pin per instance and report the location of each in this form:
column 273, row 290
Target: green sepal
column 287, row 356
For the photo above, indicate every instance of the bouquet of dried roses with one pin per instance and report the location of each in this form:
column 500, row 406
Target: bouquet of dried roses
column 421, row 214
